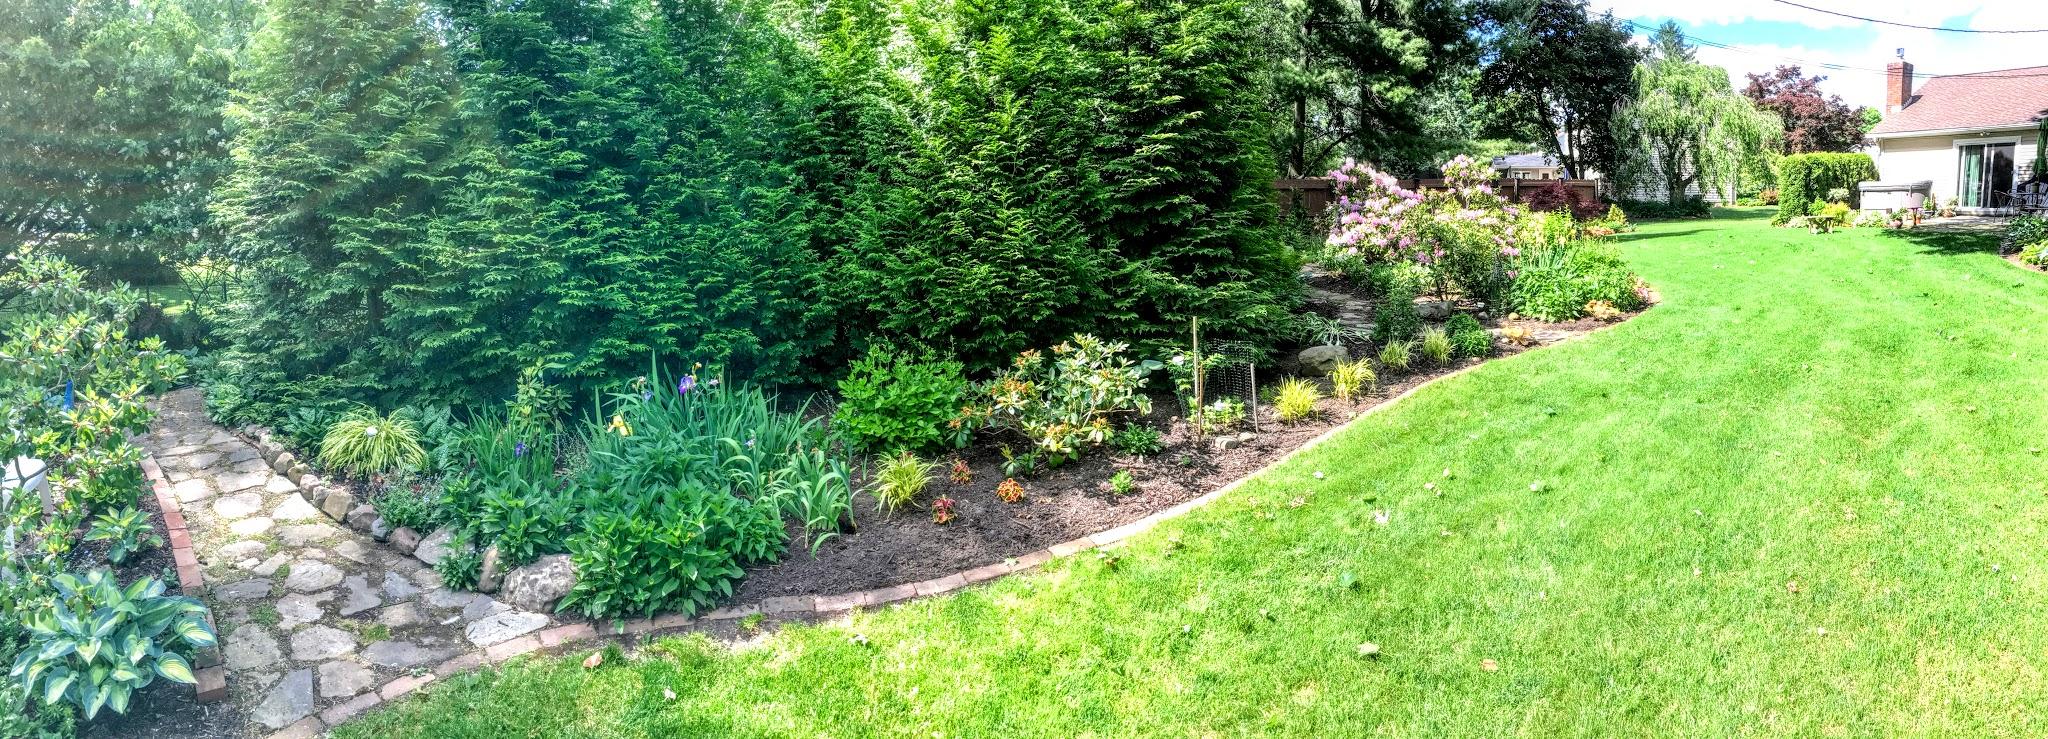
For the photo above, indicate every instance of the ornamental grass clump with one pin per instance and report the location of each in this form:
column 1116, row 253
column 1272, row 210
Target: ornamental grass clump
column 1436, row 346
column 899, row 480
column 1394, row 355
column 1296, row 400
column 367, row 444
column 1349, row 380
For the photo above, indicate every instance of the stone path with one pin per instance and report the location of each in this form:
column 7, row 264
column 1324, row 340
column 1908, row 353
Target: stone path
column 318, row 622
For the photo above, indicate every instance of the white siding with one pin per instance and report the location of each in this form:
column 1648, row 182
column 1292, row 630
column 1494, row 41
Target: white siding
column 1934, row 158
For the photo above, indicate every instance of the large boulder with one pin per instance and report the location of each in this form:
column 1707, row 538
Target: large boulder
column 1434, row 310
column 1317, row 361
column 537, row 586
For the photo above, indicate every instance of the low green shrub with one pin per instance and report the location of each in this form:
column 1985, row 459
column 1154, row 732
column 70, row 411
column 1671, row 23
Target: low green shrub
column 1468, row 338
column 98, row 642
column 460, row 567
column 365, row 443
column 2030, row 230
column 127, row 529
column 1137, row 440
column 680, row 549
column 1122, row 483
column 1063, row 404
column 404, row 507
column 1396, row 317
column 891, row 402
column 1657, row 210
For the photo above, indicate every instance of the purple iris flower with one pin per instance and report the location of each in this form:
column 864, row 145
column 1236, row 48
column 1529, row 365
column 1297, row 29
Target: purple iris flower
column 750, row 442
column 688, row 383
column 646, row 395
column 519, row 449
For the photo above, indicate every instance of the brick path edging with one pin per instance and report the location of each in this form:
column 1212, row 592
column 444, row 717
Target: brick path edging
column 316, row 725
column 210, row 674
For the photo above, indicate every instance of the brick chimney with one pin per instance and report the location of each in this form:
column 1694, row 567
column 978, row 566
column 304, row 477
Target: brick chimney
column 1898, row 86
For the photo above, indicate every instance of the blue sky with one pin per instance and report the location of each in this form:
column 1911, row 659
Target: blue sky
column 1765, row 34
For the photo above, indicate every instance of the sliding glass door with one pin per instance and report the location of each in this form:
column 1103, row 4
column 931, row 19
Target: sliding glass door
column 1986, row 175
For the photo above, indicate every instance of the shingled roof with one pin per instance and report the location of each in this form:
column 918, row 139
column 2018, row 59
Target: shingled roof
column 2009, row 98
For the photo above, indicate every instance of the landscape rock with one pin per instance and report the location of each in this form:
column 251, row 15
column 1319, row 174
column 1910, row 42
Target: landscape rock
column 250, row 648
column 403, row 654
column 245, row 590
column 270, row 566
column 380, row 529
column 239, row 505
column 360, row 596
column 1434, row 310
column 288, row 701
column 360, row 517
column 308, row 481
column 306, row 534
column 279, row 486
column 483, row 606
column 401, row 615
column 342, row 678
column 301, row 608
column 297, row 471
column 398, row 588
column 244, row 550
column 338, row 504
column 318, row 495
column 1317, row 361
column 310, row 575
column 538, row 585
column 492, row 571
column 283, row 463
column 405, row 539
column 248, row 527
column 294, row 508
column 315, row 643
column 434, row 548
column 503, row 627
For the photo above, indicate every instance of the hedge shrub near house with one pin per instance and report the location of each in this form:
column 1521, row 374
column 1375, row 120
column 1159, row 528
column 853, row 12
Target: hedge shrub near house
column 1805, row 178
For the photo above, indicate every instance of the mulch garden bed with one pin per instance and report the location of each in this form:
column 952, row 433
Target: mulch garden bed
column 165, row 708
column 1068, row 502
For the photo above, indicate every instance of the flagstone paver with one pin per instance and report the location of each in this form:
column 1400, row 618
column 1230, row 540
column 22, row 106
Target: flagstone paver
column 316, row 618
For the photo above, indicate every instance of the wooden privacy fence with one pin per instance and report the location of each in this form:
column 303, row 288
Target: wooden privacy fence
column 1313, row 195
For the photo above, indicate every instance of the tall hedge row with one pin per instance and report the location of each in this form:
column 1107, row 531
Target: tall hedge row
column 1804, row 178
column 432, row 196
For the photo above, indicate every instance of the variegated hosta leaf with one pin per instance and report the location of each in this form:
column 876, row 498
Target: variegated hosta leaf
column 56, row 648
column 90, row 649
column 117, row 697
column 96, row 696
column 54, row 689
column 124, row 672
column 175, row 669
column 196, row 632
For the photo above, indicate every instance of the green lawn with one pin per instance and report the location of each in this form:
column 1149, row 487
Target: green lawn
column 1854, row 413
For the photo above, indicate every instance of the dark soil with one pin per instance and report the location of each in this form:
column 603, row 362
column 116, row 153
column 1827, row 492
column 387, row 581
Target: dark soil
column 1064, row 504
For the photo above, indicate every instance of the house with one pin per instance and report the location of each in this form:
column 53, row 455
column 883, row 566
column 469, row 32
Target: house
column 1529, row 167
column 1973, row 135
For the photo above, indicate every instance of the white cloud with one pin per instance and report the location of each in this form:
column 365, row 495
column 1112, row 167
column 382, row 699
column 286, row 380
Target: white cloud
column 1931, row 52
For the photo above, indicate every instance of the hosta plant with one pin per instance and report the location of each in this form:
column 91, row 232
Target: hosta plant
column 365, row 443
column 129, row 531
column 98, row 642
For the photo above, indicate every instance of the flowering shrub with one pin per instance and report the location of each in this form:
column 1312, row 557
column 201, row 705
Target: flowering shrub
column 1062, row 404
column 1462, row 233
column 1554, row 196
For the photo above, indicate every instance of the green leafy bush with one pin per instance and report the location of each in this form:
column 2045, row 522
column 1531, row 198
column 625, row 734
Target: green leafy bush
column 98, row 642
column 1657, row 210
column 1396, row 317
column 1468, row 338
column 680, row 549
column 1221, row 415
column 891, row 403
column 1137, row 440
column 1296, row 400
column 402, row 507
column 1122, row 483
column 900, row 479
column 1808, row 182
column 1064, row 405
column 367, row 444
column 460, row 567
column 129, row 531
column 2030, row 230
column 1556, row 284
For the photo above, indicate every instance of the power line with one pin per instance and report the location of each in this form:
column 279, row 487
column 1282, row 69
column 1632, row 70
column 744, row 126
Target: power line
column 1908, row 25
column 1830, row 66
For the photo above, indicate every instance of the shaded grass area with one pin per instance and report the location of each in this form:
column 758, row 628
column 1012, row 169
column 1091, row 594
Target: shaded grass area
column 1804, row 496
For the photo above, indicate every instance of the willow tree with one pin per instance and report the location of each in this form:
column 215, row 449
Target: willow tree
column 1687, row 127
